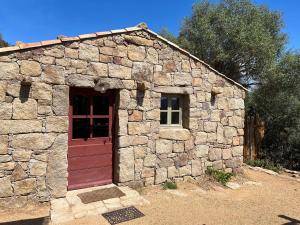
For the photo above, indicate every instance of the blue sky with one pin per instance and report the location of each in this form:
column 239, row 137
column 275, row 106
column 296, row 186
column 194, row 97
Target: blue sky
column 36, row 20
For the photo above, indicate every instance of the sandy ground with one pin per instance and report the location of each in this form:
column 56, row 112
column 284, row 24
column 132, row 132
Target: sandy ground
column 275, row 201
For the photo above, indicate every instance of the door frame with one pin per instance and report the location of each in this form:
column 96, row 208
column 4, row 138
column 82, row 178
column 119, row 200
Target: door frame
column 111, row 137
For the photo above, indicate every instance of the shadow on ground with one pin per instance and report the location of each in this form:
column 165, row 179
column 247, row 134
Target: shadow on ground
column 37, row 221
column 292, row 221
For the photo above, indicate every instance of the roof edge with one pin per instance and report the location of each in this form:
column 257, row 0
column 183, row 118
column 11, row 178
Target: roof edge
column 21, row 46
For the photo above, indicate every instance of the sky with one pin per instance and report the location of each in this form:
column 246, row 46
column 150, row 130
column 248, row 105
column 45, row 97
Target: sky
column 37, row 20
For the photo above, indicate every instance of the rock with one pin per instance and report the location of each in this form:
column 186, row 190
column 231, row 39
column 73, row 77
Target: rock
column 148, row 172
column 38, row 168
column 136, row 53
column 160, row 175
column 210, row 126
column 53, row 74
column 75, row 80
column 60, row 100
column 126, row 166
column 3, row 144
column 57, row 124
column 24, row 109
column 163, row 146
column 185, row 170
column 9, row 71
column 142, row 71
column 3, row 89
column 178, row 147
column 182, row 79
column 138, row 128
column 5, row 158
column 179, row 134
column 5, row 110
column 20, row 126
column 135, row 116
column 153, row 114
column 41, row 91
column 215, row 154
column 230, row 132
column 119, row 71
column 7, row 166
column 25, row 186
column 236, row 103
column 233, row 185
column 18, row 173
column 169, row 66
column 5, row 187
column 56, row 177
column 253, row 183
column 196, row 168
column 21, row 155
column 150, row 160
column 236, row 121
column 237, row 151
column 98, row 69
column 30, row 68
column 152, row 56
column 138, row 40
column 125, row 141
column 162, row 78
column 33, row 141
column 56, row 52
column 226, row 154
column 202, row 150
column 71, row 53
column 181, row 160
column 201, row 138
column 88, row 52
column 218, row 165
column 173, row 172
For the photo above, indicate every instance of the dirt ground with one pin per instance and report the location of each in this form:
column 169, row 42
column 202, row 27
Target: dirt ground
column 274, row 200
column 268, row 200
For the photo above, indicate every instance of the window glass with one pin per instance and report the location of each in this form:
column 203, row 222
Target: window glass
column 175, row 103
column 100, row 105
column 100, row 127
column 163, row 118
column 164, row 103
column 175, row 118
column 81, row 128
column 81, row 105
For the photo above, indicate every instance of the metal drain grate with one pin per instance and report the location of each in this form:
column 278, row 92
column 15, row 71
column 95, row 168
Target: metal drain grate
column 122, row 215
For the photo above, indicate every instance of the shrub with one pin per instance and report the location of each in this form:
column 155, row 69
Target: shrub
column 219, row 175
column 169, row 185
column 264, row 163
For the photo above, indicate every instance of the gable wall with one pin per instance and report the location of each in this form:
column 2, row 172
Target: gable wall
column 34, row 121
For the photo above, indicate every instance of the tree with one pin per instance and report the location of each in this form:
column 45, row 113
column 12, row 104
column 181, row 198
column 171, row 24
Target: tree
column 236, row 37
column 277, row 100
column 2, row 42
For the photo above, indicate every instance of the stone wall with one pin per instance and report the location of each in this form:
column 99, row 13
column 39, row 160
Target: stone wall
column 34, row 119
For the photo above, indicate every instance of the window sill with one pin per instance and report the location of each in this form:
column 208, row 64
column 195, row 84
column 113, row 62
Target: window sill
column 174, row 133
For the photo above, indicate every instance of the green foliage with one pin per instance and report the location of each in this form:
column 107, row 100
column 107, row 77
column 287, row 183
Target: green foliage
column 2, row 42
column 264, row 163
column 277, row 101
column 169, row 185
column 238, row 38
column 219, row 175
column 168, row 35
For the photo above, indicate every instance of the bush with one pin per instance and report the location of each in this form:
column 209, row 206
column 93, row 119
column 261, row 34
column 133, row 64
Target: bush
column 264, row 163
column 219, row 175
column 169, row 185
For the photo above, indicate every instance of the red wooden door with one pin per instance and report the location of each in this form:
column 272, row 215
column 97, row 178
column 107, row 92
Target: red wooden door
column 90, row 138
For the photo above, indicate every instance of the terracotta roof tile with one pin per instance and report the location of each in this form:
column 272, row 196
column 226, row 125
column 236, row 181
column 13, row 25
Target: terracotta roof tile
column 64, row 39
column 50, row 42
column 85, row 36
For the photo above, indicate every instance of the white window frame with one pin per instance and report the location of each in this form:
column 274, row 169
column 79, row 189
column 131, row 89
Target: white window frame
column 169, row 110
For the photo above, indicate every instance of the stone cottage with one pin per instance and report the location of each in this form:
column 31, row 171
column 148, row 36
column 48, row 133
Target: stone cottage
column 123, row 106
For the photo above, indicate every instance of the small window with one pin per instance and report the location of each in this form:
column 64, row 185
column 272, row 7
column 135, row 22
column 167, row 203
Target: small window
column 171, row 110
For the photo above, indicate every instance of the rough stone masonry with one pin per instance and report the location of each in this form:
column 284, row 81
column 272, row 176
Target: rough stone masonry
column 34, row 118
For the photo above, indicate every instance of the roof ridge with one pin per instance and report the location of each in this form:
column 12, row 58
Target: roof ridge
column 140, row 26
